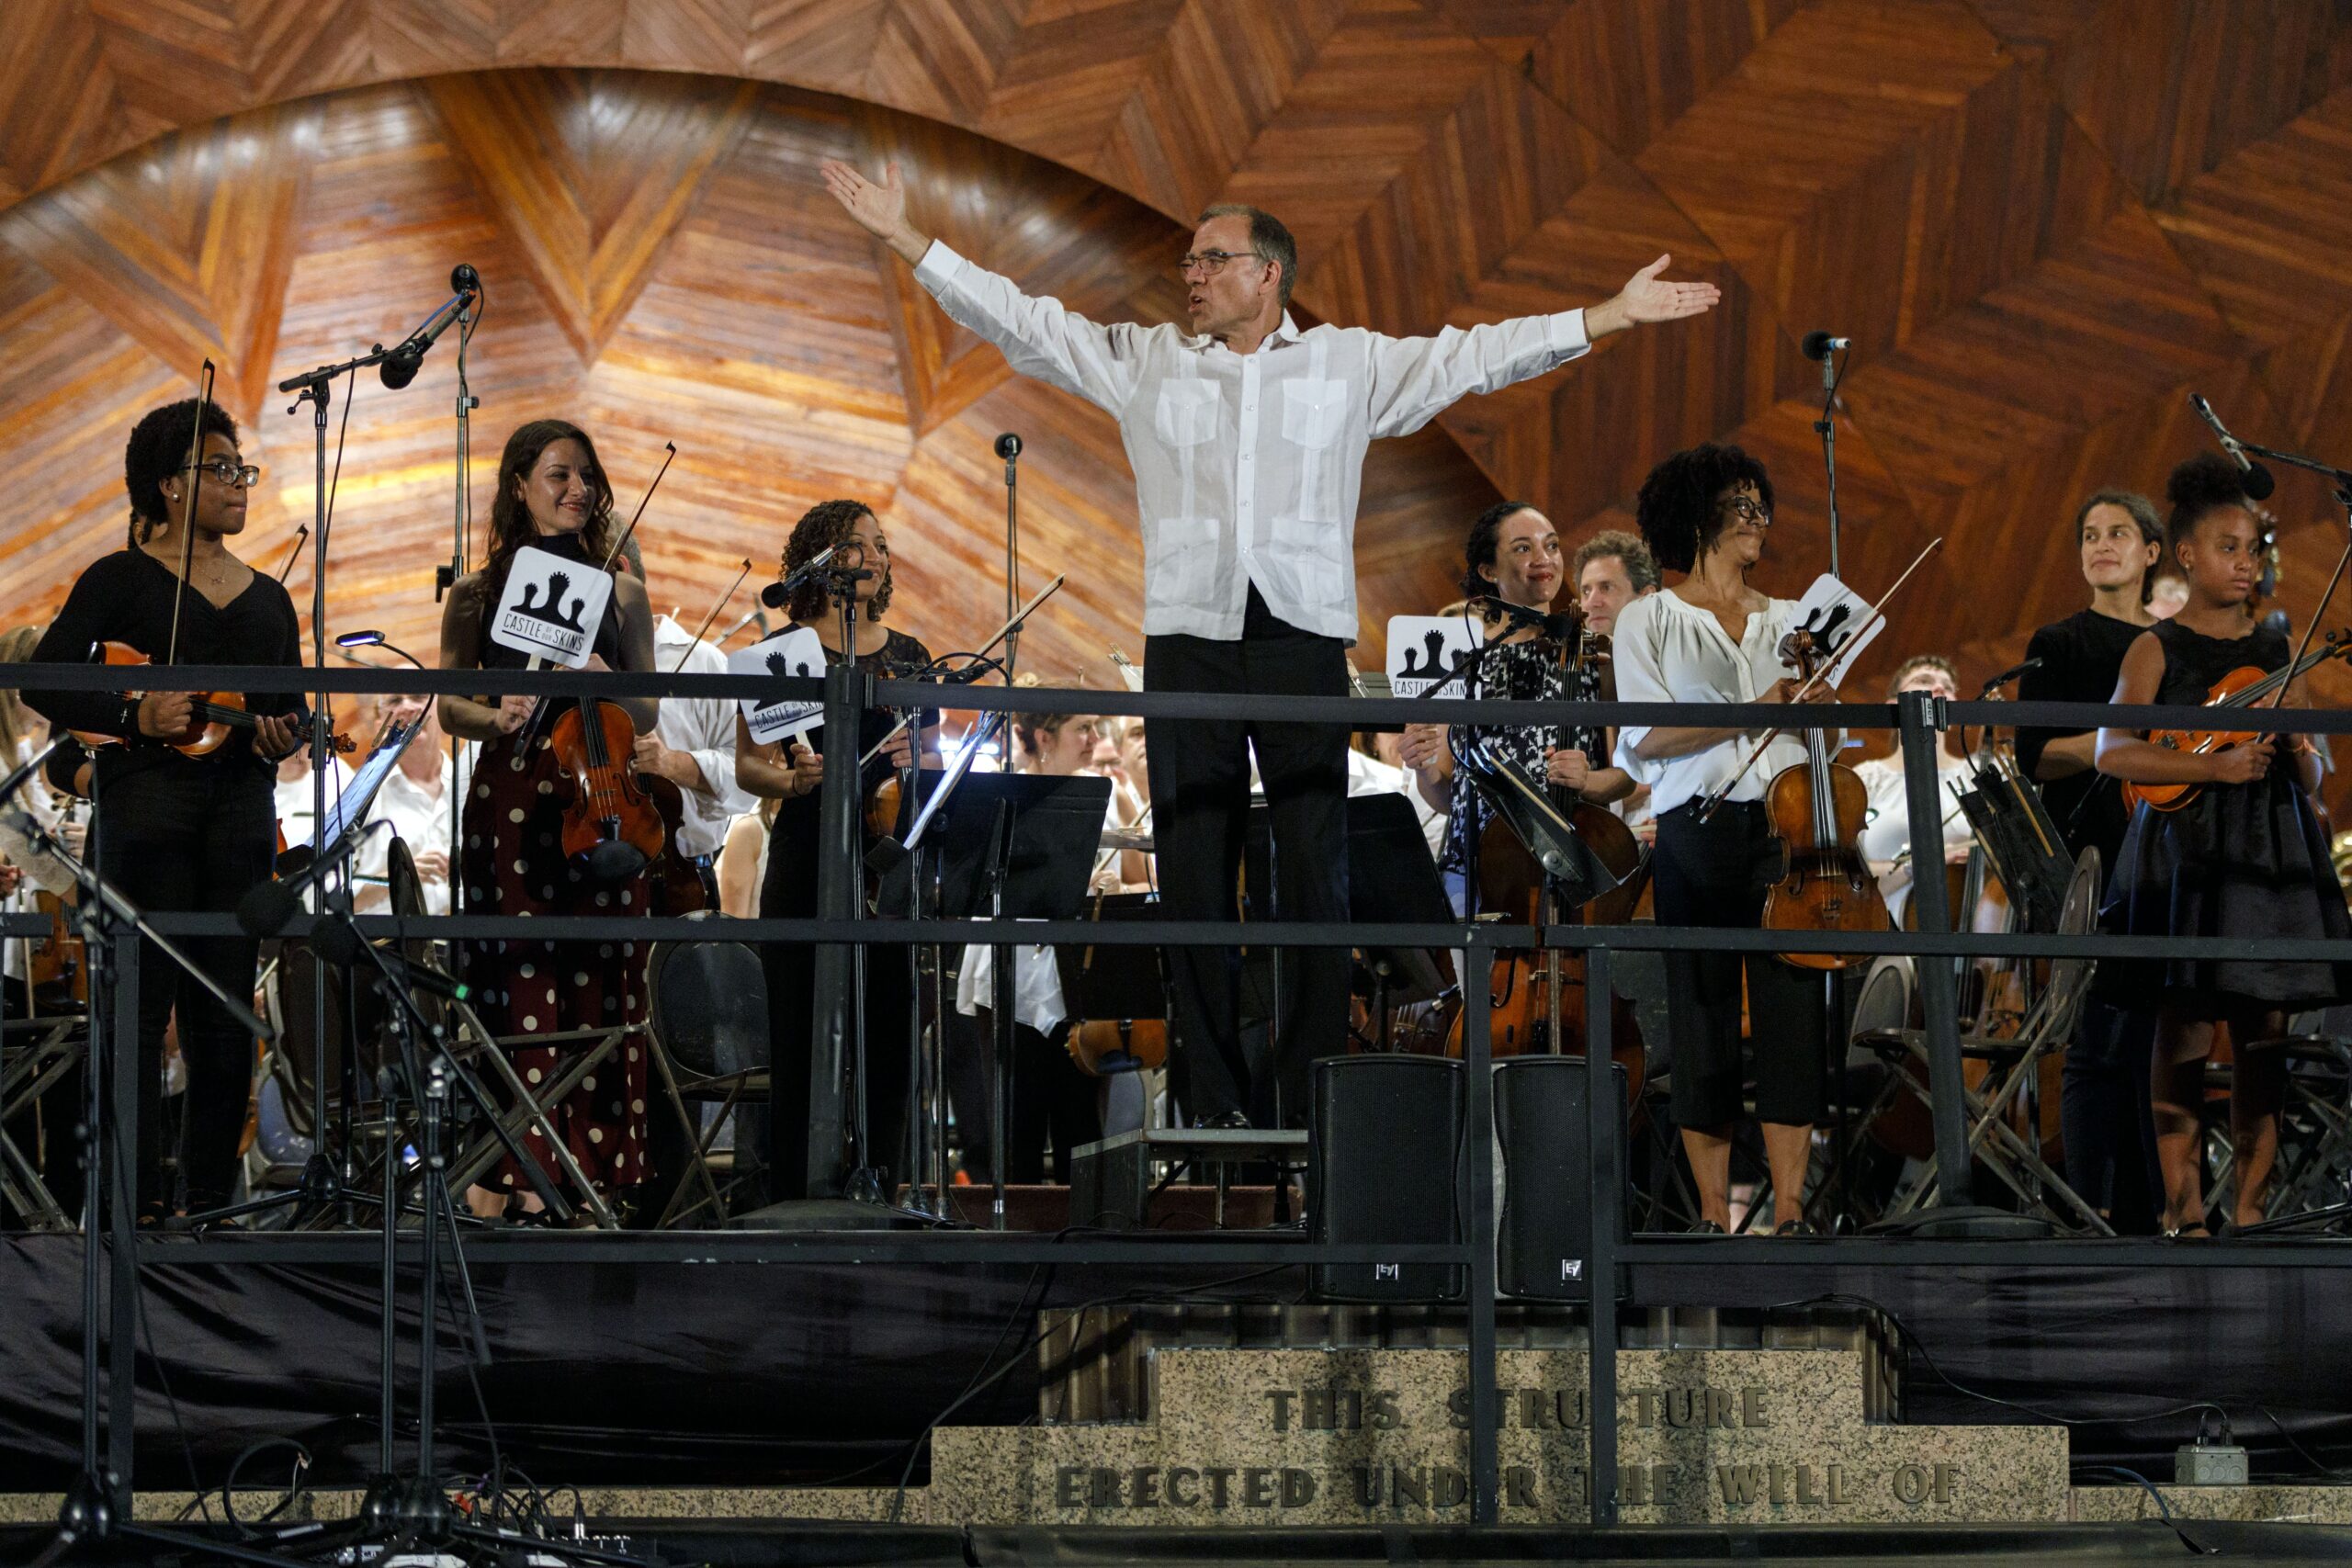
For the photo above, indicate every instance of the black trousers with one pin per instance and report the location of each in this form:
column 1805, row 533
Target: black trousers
column 1717, row 874
column 790, row 893
column 191, row 835
column 2109, row 1125
column 1054, row 1102
column 1200, row 796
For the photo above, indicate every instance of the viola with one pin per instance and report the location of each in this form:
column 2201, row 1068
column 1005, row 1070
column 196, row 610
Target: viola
column 1817, row 808
column 683, row 884
column 612, row 830
column 2241, row 687
column 211, row 714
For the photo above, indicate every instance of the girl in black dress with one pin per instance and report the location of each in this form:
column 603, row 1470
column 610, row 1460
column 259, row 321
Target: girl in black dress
column 2245, row 858
column 791, row 772
column 176, row 832
column 553, row 494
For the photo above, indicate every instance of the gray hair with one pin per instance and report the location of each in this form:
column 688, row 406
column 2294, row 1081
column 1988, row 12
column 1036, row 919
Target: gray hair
column 1269, row 241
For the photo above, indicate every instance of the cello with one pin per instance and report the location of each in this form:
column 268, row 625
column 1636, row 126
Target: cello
column 1536, row 1000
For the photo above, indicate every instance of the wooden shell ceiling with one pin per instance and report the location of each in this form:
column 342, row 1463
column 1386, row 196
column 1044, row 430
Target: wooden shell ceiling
column 2042, row 222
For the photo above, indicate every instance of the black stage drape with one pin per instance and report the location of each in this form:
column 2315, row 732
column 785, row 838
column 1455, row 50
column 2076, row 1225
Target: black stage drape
column 746, row 1374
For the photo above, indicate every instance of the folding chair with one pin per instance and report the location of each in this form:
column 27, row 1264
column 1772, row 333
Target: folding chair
column 527, row 1105
column 27, row 1072
column 2014, row 1063
column 707, row 1007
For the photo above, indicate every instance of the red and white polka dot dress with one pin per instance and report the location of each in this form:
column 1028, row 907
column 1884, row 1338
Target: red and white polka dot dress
column 513, row 864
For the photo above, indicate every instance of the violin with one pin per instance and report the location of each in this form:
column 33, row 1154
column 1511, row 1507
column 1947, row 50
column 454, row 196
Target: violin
column 1817, row 808
column 612, row 830
column 2241, row 687
column 211, row 714
column 1536, row 1000
column 683, row 884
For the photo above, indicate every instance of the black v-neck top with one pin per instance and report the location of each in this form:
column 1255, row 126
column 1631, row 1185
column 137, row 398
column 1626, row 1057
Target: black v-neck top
column 126, row 597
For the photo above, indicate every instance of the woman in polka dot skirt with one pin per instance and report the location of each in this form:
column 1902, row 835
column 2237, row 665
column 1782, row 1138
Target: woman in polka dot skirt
column 553, row 494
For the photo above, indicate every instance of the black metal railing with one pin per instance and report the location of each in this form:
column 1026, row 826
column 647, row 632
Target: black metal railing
column 1917, row 719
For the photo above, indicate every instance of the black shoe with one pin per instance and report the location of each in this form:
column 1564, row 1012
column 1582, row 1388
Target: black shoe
column 1704, row 1227
column 1794, row 1227
column 1224, row 1121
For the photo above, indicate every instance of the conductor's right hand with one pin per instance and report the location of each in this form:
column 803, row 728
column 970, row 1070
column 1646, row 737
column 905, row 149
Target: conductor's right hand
column 2244, row 764
column 165, row 713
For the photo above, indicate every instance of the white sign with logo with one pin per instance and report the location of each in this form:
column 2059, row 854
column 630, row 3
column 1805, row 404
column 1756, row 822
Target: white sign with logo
column 551, row 607
column 1839, row 620
column 1424, row 650
column 796, row 652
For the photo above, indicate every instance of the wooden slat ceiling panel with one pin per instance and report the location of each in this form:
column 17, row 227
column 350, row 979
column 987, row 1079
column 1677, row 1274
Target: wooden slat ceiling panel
column 2043, row 222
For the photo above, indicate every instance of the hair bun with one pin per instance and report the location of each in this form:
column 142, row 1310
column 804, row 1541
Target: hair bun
column 2207, row 480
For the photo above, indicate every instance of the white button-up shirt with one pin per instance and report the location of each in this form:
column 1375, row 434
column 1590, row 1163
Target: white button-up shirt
column 420, row 817
column 1248, row 465
column 705, row 728
column 1666, row 649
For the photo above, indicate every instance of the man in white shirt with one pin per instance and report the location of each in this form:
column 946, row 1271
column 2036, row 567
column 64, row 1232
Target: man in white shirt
column 1247, row 435
column 415, row 799
column 693, row 744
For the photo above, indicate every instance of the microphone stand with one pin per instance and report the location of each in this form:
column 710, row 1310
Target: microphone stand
column 1827, row 426
column 1008, row 447
column 321, row 1180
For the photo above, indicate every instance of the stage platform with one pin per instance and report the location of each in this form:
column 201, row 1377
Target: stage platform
column 751, row 1360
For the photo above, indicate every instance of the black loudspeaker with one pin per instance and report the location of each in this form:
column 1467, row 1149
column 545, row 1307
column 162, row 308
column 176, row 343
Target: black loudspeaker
column 1385, row 1145
column 1544, row 1127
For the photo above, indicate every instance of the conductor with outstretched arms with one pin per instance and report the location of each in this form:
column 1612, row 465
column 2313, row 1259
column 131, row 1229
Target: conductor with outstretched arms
column 1247, row 435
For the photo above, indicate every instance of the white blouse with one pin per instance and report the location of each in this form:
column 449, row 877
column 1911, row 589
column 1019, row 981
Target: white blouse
column 1666, row 649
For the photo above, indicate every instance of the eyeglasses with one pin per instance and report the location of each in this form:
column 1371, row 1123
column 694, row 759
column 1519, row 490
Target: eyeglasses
column 1211, row 263
column 1748, row 510
column 244, row 476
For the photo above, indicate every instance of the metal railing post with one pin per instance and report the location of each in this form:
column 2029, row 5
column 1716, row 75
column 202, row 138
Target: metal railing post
column 840, row 889
column 1478, row 1235
column 1921, row 728
column 1605, row 1203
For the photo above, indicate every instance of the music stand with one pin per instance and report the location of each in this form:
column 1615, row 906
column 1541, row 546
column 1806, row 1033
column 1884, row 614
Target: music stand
column 1012, row 847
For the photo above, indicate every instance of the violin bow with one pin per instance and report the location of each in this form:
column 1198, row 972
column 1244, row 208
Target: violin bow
column 187, row 515
column 669, row 455
column 1878, row 613
column 1011, row 621
column 714, row 609
column 300, row 534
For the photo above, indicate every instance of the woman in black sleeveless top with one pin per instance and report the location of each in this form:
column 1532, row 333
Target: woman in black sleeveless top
column 2244, row 858
column 792, row 772
column 552, row 495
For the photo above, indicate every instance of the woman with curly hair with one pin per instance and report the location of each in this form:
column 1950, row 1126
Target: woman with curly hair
column 552, row 495
column 1714, row 639
column 173, row 831
column 791, row 772
column 2243, row 858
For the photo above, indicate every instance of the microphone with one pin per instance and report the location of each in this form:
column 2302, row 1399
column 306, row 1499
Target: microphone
column 1008, row 447
column 2005, row 676
column 1820, row 346
column 1559, row 627
column 777, row 592
column 268, row 905
column 399, row 366
column 338, row 941
column 2256, row 479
